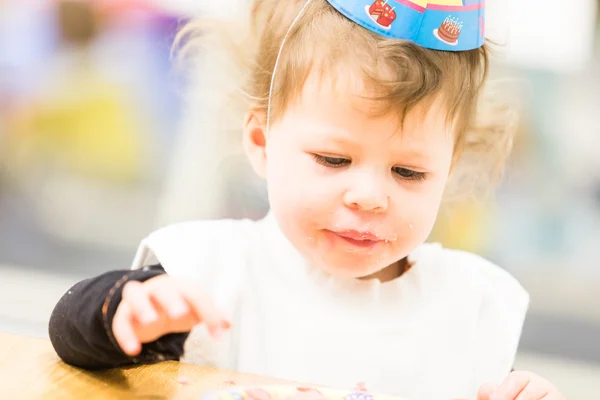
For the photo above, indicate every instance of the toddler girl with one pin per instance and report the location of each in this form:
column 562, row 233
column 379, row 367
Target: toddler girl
column 356, row 135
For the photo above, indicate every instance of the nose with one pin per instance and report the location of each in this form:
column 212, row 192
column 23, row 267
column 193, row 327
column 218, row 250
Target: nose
column 367, row 193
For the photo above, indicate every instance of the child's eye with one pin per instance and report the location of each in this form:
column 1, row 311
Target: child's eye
column 333, row 162
column 409, row 174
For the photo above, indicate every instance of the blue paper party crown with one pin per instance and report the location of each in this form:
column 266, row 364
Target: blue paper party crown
column 451, row 25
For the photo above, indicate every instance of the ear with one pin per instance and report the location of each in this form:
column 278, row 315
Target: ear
column 255, row 141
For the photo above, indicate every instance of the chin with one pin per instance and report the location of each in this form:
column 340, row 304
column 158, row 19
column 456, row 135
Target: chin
column 351, row 268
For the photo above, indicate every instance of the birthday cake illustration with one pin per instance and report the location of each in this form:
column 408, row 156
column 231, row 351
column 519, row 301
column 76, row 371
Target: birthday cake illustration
column 449, row 30
column 448, row 25
column 381, row 12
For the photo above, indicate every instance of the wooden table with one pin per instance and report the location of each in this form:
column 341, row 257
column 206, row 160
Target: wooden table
column 30, row 369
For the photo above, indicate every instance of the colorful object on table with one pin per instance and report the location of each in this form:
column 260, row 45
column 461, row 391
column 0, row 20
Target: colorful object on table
column 294, row 393
column 361, row 386
column 451, row 25
column 183, row 380
column 230, row 381
column 360, row 395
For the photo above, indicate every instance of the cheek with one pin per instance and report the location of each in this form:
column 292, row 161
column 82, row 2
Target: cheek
column 294, row 182
column 284, row 181
column 288, row 188
column 418, row 213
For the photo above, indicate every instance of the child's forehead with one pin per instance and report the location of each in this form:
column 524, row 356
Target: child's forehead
column 345, row 89
column 349, row 96
column 335, row 114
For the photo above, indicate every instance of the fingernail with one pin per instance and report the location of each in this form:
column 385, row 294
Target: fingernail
column 149, row 317
column 131, row 347
column 178, row 310
column 216, row 332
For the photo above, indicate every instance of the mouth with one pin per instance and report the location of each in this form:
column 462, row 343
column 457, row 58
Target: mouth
column 358, row 238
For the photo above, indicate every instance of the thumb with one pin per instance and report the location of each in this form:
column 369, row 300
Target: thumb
column 485, row 392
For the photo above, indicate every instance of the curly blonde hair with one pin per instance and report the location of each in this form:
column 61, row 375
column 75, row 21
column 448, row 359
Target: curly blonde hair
column 400, row 73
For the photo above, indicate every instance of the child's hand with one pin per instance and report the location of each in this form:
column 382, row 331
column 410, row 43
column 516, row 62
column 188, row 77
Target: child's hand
column 160, row 306
column 521, row 385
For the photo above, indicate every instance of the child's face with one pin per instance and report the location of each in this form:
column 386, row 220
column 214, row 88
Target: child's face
column 355, row 193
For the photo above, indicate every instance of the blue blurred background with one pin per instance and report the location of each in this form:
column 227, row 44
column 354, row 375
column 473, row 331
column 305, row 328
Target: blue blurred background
column 98, row 148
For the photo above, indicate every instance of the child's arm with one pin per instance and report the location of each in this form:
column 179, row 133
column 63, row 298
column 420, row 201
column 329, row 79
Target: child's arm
column 81, row 324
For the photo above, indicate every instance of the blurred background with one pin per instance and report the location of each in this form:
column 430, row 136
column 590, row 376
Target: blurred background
column 98, row 147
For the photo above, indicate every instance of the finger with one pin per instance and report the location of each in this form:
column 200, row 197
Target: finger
column 512, row 386
column 485, row 392
column 136, row 295
column 538, row 389
column 123, row 330
column 205, row 309
column 554, row 396
column 534, row 391
column 170, row 301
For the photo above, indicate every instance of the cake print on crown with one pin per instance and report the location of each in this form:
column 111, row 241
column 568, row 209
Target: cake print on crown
column 381, row 13
column 449, row 30
column 448, row 25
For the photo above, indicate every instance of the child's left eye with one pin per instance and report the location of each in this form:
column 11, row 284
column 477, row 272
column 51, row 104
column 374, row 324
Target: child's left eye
column 409, row 174
column 333, row 162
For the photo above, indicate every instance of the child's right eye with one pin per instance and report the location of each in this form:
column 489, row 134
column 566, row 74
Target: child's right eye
column 333, row 162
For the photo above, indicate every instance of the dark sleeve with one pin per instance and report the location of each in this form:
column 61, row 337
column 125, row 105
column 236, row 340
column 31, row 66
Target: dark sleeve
column 80, row 326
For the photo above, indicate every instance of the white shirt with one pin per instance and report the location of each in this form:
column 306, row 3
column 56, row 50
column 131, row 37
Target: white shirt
column 445, row 327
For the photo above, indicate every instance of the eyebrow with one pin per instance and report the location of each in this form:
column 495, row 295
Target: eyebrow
column 342, row 141
column 415, row 155
column 337, row 136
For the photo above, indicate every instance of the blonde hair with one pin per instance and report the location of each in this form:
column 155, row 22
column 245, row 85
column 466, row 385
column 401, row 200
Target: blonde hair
column 400, row 74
